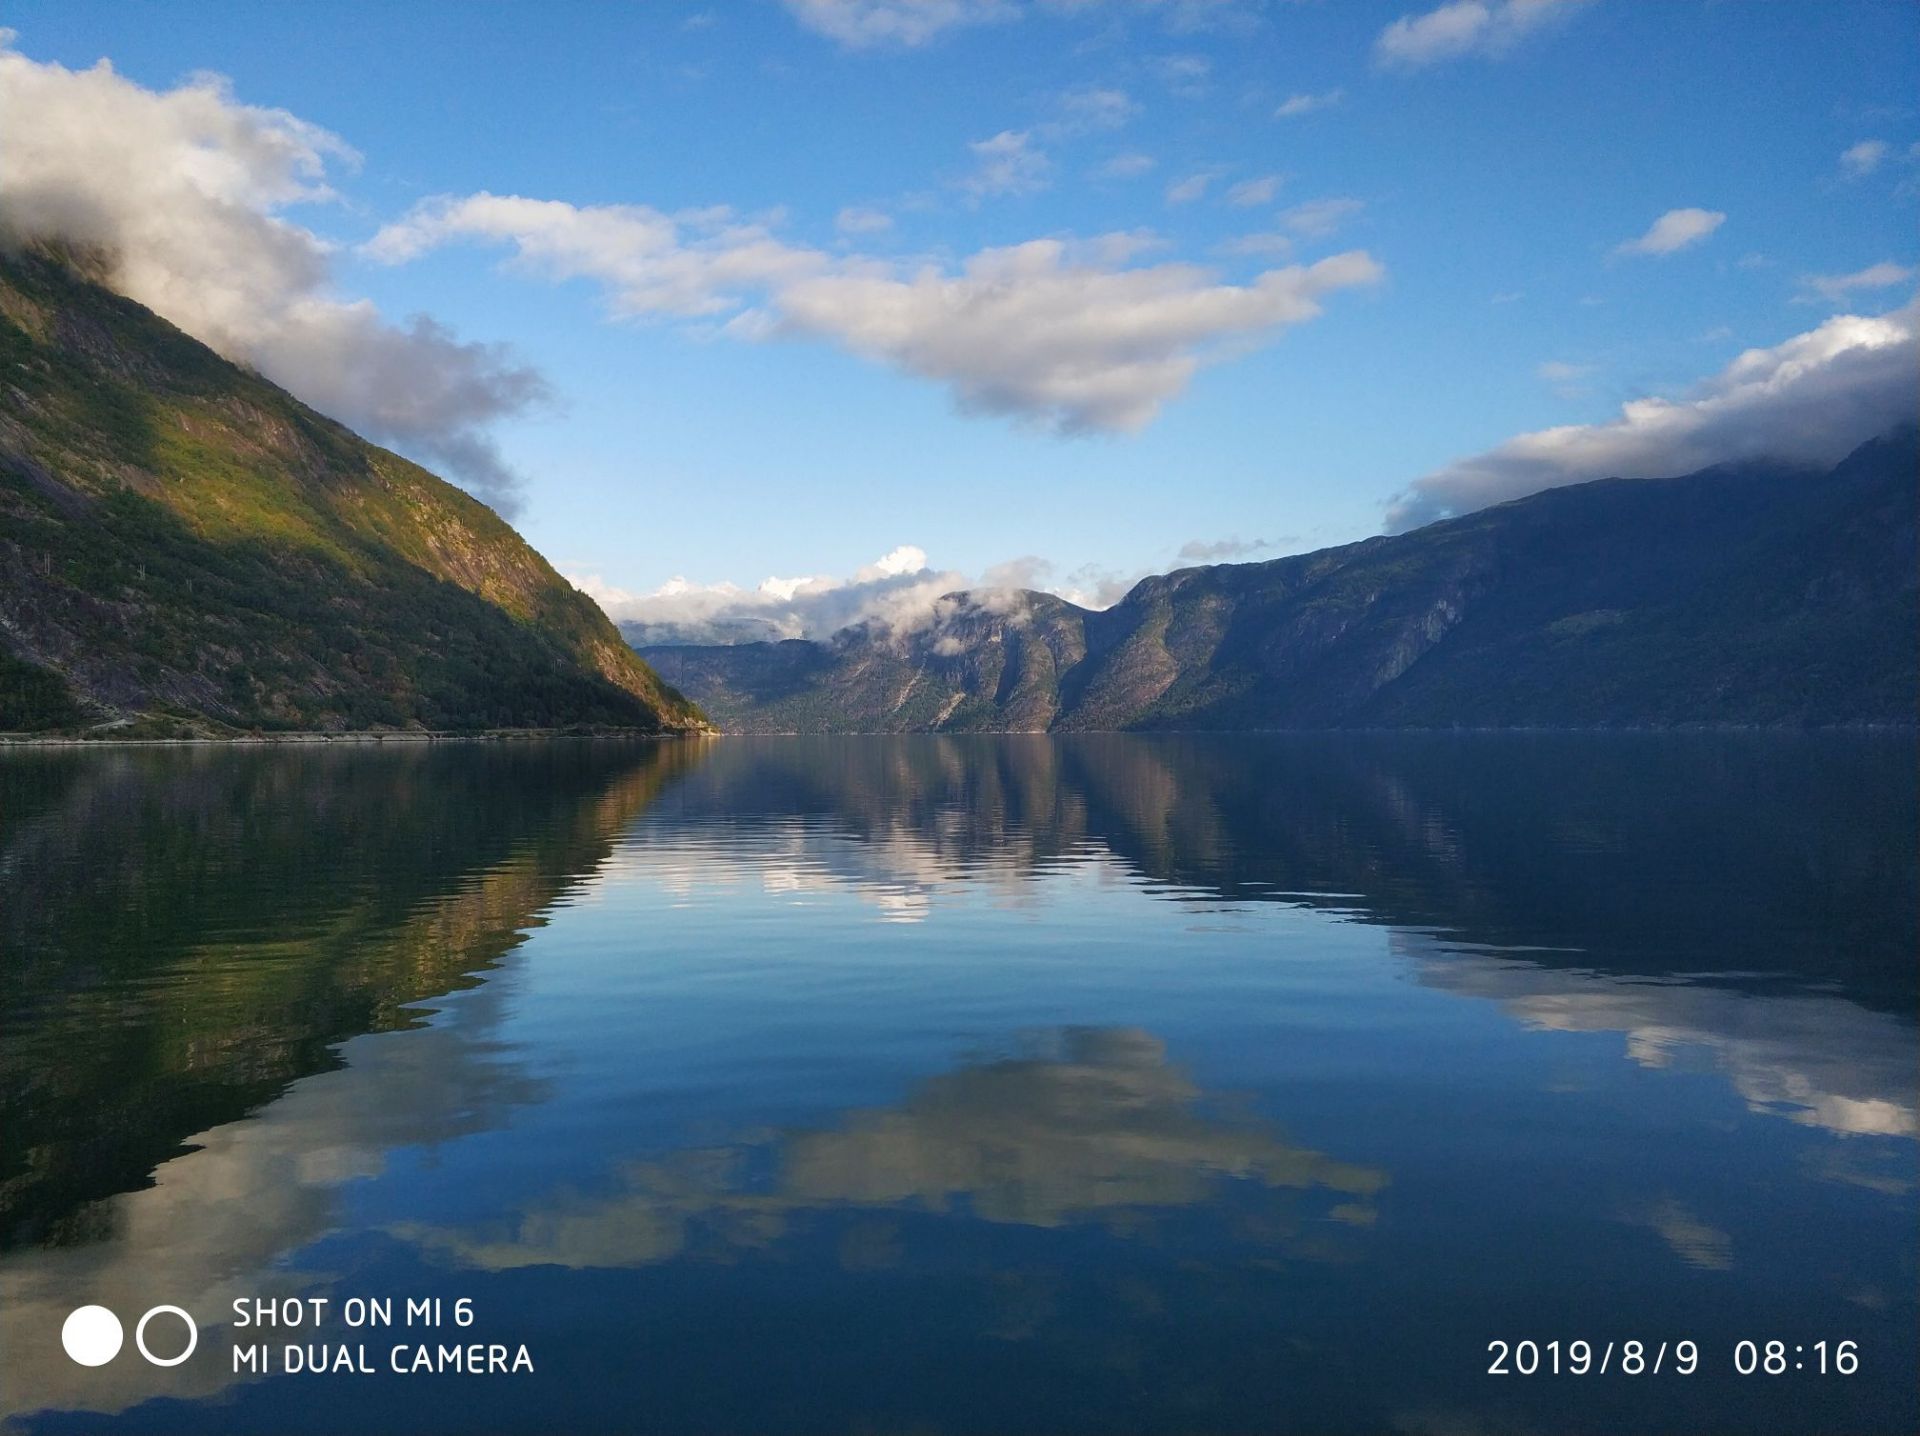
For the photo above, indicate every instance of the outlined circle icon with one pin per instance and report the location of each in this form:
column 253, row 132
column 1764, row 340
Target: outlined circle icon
column 92, row 1335
column 140, row 1336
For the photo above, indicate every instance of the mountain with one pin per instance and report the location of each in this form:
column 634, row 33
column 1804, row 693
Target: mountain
column 185, row 548
column 1754, row 594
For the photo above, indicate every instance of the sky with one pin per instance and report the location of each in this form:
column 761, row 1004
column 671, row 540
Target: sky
column 766, row 316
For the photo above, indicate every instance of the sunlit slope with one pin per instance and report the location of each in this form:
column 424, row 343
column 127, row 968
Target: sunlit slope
column 185, row 544
column 1757, row 594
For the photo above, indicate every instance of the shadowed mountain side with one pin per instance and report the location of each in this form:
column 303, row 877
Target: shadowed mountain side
column 188, row 548
column 1748, row 595
column 308, row 895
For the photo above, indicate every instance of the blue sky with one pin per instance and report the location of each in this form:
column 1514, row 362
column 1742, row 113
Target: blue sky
column 765, row 392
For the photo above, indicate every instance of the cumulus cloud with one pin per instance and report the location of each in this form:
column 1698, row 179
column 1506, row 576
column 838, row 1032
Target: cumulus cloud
column 1558, row 371
column 1075, row 336
column 868, row 24
column 690, row 264
column 1193, row 187
column 897, row 591
column 1251, row 193
column 1567, row 380
column 1091, row 110
column 1125, row 166
column 1094, row 585
column 899, row 594
column 1009, row 163
column 862, row 219
column 1184, row 75
column 1675, row 230
column 1028, row 571
column 1465, row 28
column 1027, row 331
column 1296, row 105
column 1810, row 399
column 907, row 24
column 1836, row 288
column 1223, row 550
column 181, row 191
column 1864, row 158
column 1261, row 244
column 1318, row 218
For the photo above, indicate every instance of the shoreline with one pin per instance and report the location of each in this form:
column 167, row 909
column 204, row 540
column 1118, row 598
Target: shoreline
column 627, row 735
column 321, row 739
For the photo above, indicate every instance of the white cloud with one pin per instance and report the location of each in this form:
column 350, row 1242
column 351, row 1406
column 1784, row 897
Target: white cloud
column 1029, row 571
column 1835, row 288
column 906, row 24
column 1219, row 550
column 1811, row 399
column 906, row 558
column 864, row 24
column 1091, row 110
column 862, row 219
column 1567, row 380
column 1185, row 75
column 1864, row 158
column 897, row 592
column 1193, row 187
column 1121, row 247
column 1296, row 105
column 1675, row 230
column 1072, row 335
column 1318, row 218
column 1027, row 331
column 1096, row 586
column 1009, row 164
column 182, row 190
column 1262, row 244
column 1465, row 28
column 1125, row 166
column 1249, row 193
column 691, row 264
column 1556, row 371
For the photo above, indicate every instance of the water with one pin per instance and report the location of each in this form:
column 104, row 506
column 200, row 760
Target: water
column 1013, row 1084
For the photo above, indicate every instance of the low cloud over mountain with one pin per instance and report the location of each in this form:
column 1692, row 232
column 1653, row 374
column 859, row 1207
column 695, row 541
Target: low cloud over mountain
column 1810, row 399
column 181, row 193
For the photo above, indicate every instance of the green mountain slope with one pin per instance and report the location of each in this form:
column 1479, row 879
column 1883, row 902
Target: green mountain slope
column 1756, row 594
column 186, row 546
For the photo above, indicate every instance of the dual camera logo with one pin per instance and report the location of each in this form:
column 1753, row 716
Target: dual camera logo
column 93, row 1335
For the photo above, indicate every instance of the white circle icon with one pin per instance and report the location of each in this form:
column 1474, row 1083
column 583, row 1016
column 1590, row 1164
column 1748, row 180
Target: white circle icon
column 140, row 1336
column 92, row 1335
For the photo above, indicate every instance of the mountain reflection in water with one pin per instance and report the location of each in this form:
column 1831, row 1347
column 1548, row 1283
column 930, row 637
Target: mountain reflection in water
column 1098, row 1083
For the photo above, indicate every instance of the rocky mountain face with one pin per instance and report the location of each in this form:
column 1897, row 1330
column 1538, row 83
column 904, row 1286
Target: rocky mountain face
column 1756, row 594
column 185, row 548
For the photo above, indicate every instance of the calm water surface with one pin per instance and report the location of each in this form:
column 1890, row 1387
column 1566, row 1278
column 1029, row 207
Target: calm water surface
column 1109, row 1084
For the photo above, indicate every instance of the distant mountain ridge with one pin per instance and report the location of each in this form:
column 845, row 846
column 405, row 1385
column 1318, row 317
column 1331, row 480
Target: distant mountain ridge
column 187, row 549
column 1750, row 594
